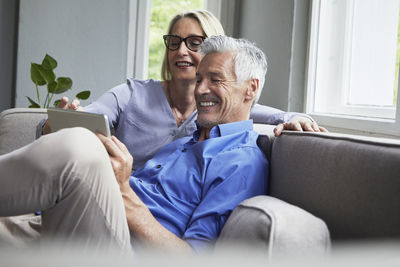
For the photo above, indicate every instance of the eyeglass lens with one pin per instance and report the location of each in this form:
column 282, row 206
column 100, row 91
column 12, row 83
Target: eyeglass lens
column 173, row 42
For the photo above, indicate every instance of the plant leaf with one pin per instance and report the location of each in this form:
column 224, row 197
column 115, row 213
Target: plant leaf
column 48, row 75
column 63, row 84
column 83, row 95
column 36, row 77
column 33, row 103
column 51, row 87
column 56, row 102
column 49, row 63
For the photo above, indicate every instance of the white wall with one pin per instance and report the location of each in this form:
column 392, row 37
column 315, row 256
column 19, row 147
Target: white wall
column 279, row 27
column 88, row 39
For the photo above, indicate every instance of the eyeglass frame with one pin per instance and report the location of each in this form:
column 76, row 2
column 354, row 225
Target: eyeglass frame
column 181, row 40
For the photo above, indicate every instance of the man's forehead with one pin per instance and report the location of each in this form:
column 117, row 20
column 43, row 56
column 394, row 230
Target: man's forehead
column 216, row 63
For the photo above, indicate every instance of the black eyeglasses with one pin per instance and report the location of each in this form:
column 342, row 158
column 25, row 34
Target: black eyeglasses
column 173, row 42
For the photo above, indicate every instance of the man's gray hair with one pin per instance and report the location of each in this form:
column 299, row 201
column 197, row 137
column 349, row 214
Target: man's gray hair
column 250, row 62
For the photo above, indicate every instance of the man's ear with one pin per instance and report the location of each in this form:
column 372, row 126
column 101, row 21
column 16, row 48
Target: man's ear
column 252, row 89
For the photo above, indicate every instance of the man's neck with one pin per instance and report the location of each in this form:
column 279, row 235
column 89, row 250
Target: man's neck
column 205, row 131
column 204, row 134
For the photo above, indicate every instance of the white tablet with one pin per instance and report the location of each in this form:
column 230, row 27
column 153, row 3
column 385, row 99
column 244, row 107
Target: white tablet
column 64, row 118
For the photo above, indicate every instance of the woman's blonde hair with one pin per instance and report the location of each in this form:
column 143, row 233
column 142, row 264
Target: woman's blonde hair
column 208, row 22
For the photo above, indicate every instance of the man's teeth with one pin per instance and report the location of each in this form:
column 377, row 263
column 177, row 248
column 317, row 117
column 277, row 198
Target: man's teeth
column 207, row 104
column 183, row 64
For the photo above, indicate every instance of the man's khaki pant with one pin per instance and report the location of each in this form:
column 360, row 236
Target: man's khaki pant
column 67, row 176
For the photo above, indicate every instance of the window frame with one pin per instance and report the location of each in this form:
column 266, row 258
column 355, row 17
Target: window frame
column 138, row 39
column 338, row 122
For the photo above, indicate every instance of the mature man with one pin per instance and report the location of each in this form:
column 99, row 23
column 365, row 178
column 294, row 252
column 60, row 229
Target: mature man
column 180, row 199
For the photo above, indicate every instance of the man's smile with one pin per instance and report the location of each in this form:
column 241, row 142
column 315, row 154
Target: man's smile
column 207, row 104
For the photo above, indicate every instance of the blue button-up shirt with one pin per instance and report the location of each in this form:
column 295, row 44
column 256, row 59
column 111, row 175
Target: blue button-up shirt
column 191, row 187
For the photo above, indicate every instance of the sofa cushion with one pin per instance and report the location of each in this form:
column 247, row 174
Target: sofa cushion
column 265, row 129
column 269, row 224
column 18, row 127
column 351, row 182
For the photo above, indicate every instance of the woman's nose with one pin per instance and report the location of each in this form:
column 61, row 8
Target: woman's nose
column 182, row 48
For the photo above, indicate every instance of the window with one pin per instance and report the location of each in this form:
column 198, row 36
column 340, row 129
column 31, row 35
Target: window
column 161, row 13
column 353, row 65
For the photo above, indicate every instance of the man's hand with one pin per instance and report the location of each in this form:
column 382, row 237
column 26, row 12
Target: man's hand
column 141, row 222
column 64, row 104
column 300, row 124
column 121, row 160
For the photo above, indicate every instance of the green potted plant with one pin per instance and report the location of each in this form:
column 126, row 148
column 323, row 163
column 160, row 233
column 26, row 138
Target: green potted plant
column 43, row 74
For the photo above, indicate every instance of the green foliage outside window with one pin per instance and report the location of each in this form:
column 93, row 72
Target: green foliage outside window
column 162, row 12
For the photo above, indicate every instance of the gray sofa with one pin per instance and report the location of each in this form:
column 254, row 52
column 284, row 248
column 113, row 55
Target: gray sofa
column 323, row 188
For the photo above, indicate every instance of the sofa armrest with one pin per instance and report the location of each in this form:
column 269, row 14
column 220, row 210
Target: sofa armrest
column 18, row 127
column 267, row 223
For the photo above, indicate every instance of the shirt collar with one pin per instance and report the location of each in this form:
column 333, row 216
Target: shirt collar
column 225, row 129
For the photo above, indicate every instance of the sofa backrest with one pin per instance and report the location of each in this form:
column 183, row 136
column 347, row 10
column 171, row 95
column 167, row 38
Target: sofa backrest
column 265, row 138
column 18, row 127
column 351, row 182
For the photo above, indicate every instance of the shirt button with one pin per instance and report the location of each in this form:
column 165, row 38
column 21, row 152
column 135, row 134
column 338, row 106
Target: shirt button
column 158, row 166
column 140, row 180
column 184, row 150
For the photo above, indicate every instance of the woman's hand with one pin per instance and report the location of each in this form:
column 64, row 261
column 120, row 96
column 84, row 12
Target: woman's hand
column 300, row 124
column 64, row 104
column 74, row 105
